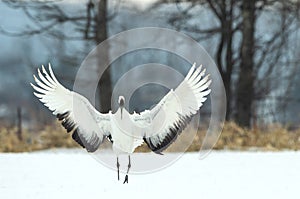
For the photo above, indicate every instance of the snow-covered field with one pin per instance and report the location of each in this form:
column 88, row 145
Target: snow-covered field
column 75, row 174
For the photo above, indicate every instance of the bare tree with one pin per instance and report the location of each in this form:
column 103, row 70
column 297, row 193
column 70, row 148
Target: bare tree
column 228, row 26
column 250, row 64
column 273, row 68
column 245, row 86
column 105, row 87
column 90, row 24
column 247, row 65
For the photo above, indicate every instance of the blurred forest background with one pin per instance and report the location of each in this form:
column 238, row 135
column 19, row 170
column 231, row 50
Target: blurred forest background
column 255, row 44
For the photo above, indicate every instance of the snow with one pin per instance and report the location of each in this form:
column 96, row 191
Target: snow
column 223, row 174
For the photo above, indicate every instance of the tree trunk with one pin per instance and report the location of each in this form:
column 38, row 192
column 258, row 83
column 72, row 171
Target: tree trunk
column 19, row 120
column 104, row 87
column 229, row 33
column 245, row 85
column 225, row 47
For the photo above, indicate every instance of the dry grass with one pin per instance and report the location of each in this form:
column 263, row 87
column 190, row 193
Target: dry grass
column 273, row 137
column 233, row 137
column 50, row 137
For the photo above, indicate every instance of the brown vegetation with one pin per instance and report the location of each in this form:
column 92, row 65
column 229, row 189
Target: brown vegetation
column 50, row 137
column 273, row 137
column 233, row 137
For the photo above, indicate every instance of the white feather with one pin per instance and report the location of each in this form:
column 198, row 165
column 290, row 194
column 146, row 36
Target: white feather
column 153, row 125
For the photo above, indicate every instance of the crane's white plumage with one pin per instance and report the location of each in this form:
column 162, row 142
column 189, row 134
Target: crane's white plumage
column 73, row 110
column 158, row 127
column 175, row 110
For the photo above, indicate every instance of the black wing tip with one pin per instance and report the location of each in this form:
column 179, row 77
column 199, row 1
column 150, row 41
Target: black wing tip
column 156, row 149
column 90, row 147
column 61, row 116
column 158, row 152
column 91, row 150
column 171, row 136
column 76, row 137
column 66, row 122
column 167, row 141
column 69, row 125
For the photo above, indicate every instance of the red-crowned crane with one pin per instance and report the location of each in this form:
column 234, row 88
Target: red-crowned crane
column 158, row 127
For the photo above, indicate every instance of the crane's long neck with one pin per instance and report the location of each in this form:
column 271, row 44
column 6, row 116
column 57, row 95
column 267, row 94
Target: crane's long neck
column 121, row 112
column 121, row 104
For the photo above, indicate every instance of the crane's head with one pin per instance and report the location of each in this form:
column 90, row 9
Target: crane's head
column 121, row 102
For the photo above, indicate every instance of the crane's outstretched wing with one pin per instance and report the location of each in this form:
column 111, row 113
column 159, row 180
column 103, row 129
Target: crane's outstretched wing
column 73, row 110
column 176, row 109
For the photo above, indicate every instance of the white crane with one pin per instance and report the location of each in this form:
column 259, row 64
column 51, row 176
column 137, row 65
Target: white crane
column 158, row 127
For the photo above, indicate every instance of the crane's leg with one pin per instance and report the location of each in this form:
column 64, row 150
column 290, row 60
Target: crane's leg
column 118, row 167
column 129, row 165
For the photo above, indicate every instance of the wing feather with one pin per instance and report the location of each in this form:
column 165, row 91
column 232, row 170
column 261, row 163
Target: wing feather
column 43, row 79
column 73, row 111
column 176, row 109
column 50, row 79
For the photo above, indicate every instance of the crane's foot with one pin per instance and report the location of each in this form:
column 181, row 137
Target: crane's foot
column 126, row 179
